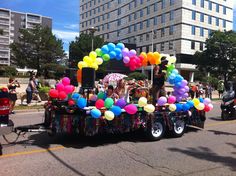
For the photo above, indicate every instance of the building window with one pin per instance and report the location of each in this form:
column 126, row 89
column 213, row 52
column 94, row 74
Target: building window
column 209, row 33
column 162, row 46
column 155, row 20
column 119, row 11
column 147, row 37
column 141, row 13
column 163, row 4
column 108, row 36
column 172, row 2
column 163, row 18
column 202, row 17
column 202, row 3
column 141, row 1
column 108, row 15
column 135, row 27
column 224, row 23
column 129, row 29
column 217, row 7
column 141, row 38
column 170, row 45
column 171, row 30
column 224, row 10
column 108, row 25
column 155, row 7
column 119, row 1
column 193, row 30
column 162, row 32
column 202, row 32
column 193, row 15
column 192, row 45
column 141, row 25
column 118, row 22
column 171, row 15
column 194, row 2
column 217, row 21
column 135, row 15
column 130, row 17
column 209, row 20
column 130, row 6
column 148, row 10
column 210, row 5
column 201, row 46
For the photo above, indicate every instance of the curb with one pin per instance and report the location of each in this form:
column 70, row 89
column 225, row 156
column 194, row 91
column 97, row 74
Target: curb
column 29, row 110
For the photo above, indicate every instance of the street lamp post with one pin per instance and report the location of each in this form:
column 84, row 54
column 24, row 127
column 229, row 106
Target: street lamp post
column 152, row 65
column 92, row 30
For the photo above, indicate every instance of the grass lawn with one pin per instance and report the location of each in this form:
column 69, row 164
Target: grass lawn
column 23, row 107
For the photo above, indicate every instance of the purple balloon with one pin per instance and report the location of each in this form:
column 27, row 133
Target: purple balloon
column 126, row 59
column 161, row 101
column 125, row 52
column 121, row 103
column 184, row 82
column 179, row 98
column 186, row 88
column 181, row 91
column 132, row 53
column 185, row 95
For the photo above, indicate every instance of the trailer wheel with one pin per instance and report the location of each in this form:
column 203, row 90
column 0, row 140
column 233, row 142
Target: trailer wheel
column 47, row 116
column 179, row 128
column 224, row 115
column 155, row 130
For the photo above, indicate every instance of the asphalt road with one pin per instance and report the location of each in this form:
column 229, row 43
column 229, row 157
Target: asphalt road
column 211, row 151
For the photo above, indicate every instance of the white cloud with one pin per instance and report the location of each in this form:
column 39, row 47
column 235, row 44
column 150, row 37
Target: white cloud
column 72, row 26
column 234, row 4
column 66, row 36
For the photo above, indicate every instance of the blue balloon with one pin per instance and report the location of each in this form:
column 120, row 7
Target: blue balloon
column 81, row 103
column 201, row 99
column 120, row 45
column 117, row 51
column 178, row 78
column 96, row 113
column 172, row 76
column 186, row 107
column 111, row 46
column 119, row 57
column 116, row 110
column 75, row 96
column 190, row 103
column 179, row 107
column 105, row 49
column 175, row 71
column 112, row 54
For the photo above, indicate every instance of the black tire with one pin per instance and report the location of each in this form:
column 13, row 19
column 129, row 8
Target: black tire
column 178, row 128
column 155, row 130
column 224, row 115
column 47, row 120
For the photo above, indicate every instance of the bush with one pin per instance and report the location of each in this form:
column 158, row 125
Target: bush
column 136, row 76
column 44, row 89
column 8, row 71
column 54, row 71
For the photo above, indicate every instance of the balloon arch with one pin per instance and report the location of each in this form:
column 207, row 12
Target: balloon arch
column 134, row 61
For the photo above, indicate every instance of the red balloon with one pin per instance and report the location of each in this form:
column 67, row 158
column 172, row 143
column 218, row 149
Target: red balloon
column 62, row 95
column 127, row 65
column 207, row 108
column 99, row 104
column 141, row 58
column 71, row 102
column 53, row 93
column 132, row 68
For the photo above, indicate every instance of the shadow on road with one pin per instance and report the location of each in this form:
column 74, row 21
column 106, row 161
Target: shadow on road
column 207, row 154
column 215, row 118
column 222, row 133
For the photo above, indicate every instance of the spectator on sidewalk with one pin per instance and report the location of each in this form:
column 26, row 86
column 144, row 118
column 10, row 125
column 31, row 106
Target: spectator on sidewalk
column 220, row 88
column 12, row 85
column 31, row 88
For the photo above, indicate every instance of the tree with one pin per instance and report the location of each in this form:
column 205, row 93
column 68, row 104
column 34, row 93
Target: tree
column 8, row 71
column 82, row 46
column 219, row 58
column 35, row 48
column 53, row 70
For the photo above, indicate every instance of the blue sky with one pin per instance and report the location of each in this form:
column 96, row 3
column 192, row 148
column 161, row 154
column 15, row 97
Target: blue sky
column 65, row 15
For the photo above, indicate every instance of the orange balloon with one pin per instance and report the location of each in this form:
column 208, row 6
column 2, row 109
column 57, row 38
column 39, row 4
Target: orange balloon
column 79, row 76
column 145, row 62
column 150, row 57
column 157, row 57
column 144, row 55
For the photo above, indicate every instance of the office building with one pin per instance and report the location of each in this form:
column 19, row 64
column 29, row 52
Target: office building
column 175, row 27
column 10, row 23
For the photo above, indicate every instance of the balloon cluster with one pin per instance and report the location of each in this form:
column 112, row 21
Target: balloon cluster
column 63, row 89
column 181, row 88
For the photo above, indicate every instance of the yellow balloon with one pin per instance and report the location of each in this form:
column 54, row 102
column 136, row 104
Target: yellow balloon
column 149, row 108
column 109, row 115
column 144, row 55
column 142, row 102
column 93, row 55
column 172, row 107
column 196, row 102
column 99, row 60
column 200, row 106
column 94, row 65
column 82, row 64
column 157, row 57
column 88, row 60
column 172, row 59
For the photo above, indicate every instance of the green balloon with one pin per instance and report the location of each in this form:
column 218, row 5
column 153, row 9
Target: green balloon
column 99, row 52
column 109, row 102
column 106, row 57
column 101, row 95
column 171, row 67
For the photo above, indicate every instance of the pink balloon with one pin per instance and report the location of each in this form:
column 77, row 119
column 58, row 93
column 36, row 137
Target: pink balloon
column 62, row 95
column 66, row 81
column 60, row 87
column 72, row 88
column 126, row 59
column 131, row 109
column 68, row 89
column 171, row 99
column 210, row 106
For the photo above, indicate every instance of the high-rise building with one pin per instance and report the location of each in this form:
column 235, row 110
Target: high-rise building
column 10, row 23
column 175, row 27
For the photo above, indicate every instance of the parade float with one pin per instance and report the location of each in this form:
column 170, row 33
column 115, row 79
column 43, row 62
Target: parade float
column 69, row 112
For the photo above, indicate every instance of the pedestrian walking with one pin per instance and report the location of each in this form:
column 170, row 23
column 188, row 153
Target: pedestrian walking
column 31, row 88
column 12, row 85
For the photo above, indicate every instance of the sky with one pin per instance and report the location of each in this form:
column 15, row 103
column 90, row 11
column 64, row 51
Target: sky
column 65, row 15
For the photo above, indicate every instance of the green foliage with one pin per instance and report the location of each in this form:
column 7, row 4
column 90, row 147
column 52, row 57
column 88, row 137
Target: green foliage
column 8, row 71
column 136, row 76
column 53, row 70
column 82, row 46
column 36, row 47
column 219, row 58
column 44, row 89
